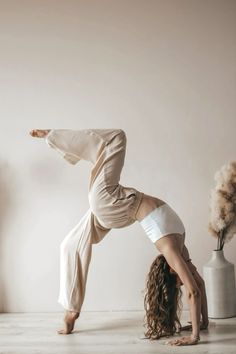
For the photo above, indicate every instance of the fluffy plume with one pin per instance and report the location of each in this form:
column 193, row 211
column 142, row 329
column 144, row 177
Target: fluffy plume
column 222, row 223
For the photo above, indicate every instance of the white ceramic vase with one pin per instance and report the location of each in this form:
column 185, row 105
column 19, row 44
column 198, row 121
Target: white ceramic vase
column 220, row 286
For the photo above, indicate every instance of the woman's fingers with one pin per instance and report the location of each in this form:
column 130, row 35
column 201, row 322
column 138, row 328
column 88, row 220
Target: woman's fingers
column 183, row 341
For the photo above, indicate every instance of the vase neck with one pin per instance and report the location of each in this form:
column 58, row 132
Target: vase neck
column 218, row 254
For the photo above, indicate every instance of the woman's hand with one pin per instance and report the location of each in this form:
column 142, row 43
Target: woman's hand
column 189, row 340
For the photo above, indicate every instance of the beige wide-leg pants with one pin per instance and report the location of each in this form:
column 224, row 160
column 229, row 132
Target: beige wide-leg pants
column 111, row 204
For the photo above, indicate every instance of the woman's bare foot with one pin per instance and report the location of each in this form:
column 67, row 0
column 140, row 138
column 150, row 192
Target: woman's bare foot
column 69, row 320
column 39, row 133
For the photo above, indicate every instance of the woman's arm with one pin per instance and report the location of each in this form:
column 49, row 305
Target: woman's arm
column 201, row 285
column 176, row 262
column 204, row 310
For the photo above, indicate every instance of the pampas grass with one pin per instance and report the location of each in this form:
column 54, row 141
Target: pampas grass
column 222, row 224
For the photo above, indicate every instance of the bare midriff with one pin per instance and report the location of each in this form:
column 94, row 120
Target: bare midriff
column 148, row 204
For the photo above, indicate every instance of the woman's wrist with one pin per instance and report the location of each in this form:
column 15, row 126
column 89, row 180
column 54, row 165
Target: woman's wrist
column 195, row 337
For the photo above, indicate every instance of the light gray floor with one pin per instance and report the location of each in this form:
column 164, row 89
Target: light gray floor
column 102, row 333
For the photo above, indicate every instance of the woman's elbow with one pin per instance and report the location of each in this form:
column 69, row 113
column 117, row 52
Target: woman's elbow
column 194, row 294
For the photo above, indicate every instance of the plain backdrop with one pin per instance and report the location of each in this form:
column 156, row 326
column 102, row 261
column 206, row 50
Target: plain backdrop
column 162, row 70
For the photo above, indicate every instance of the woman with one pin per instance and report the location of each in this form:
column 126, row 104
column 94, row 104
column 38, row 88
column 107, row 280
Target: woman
column 115, row 206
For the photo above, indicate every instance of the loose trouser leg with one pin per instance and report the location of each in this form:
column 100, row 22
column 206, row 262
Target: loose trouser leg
column 114, row 205
column 75, row 256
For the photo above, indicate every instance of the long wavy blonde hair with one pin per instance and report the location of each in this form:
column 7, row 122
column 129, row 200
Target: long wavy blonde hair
column 162, row 301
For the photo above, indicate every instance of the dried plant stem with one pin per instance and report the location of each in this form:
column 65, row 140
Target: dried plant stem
column 221, row 238
column 218, row 243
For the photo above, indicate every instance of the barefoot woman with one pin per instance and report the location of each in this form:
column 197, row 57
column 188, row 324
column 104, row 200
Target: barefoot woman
column 115, row 206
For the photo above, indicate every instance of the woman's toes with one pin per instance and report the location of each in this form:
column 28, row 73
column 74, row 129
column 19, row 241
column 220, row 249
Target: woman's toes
column 35, row 133
column 39, row 133
column 32, row 132
column 62, row 331
column 68, row 328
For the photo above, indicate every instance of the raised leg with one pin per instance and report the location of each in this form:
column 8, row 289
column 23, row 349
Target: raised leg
column 113, row 204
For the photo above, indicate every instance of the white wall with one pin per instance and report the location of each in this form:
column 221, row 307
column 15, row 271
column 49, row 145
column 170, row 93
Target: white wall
column 164, row 71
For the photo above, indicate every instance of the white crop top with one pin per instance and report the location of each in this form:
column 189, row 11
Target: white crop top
column 162, row 221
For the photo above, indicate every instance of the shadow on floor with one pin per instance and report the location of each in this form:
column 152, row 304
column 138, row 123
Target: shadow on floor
column 112, row 326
